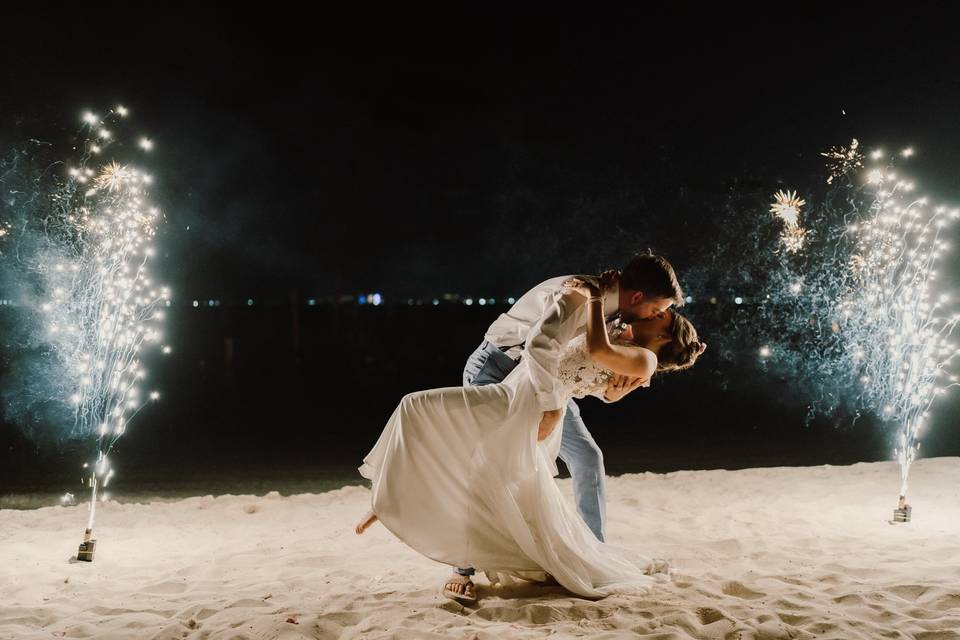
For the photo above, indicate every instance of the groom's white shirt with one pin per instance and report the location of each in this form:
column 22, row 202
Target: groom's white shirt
column 543, row 320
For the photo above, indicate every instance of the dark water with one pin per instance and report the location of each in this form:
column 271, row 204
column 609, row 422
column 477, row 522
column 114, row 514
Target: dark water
column 290, row 397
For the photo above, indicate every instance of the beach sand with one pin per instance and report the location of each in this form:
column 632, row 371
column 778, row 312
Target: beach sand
column 759, row 553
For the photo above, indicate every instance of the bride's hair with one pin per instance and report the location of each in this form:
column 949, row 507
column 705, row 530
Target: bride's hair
column 684, row 348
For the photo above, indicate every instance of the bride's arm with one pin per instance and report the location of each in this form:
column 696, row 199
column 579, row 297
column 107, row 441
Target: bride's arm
column 635, row 362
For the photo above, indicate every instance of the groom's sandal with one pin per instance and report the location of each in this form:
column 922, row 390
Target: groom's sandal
column 469, row 590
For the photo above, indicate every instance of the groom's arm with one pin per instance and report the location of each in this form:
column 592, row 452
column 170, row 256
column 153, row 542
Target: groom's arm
column 557, row 325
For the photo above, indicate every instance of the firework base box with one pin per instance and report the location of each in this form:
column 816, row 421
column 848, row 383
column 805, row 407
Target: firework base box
column 87, row 547
column 902, row 514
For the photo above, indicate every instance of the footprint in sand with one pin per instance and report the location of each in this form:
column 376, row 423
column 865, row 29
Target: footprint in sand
column 794, row 620
column 738, row 590
column 910, row 592
column 531, row 613
column 709, row 615
column 945, row 602
column 937, row 635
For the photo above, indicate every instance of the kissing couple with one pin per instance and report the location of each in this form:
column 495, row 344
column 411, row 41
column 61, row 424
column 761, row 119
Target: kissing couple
column 466, row 475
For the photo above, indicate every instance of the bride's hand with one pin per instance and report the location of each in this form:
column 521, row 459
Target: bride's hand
column 548, row 423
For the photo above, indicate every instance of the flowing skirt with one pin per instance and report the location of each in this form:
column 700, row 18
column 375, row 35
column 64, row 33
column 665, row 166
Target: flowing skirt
column 458, row 475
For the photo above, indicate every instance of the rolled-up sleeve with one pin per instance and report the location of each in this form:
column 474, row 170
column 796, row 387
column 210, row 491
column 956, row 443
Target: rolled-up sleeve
column 557, row 325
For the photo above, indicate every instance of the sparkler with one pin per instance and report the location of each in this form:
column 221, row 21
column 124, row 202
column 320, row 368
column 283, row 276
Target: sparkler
column 903, row 356
column 787, row 207
column 794, row 238
column 890, row 328
column 843, row 160
column 112, row 303
column 104, row 310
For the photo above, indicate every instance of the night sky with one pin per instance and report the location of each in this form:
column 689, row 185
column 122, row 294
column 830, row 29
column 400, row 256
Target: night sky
column 415, row 153
column 305, row 154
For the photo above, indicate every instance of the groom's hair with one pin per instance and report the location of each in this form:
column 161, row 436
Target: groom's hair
column 654, row 276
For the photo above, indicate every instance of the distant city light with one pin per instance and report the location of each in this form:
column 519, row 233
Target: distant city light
column 738, row 300
column 689, row 299
column 376, row 299
column 361, row 299
column 435, row 302
column 491, row 301
column 249, row 302
column 468, row 301
column 312, row 302
column 196, row 303
column 713, row 300
column 481, row 302
column 510, row 300
column 765, row 352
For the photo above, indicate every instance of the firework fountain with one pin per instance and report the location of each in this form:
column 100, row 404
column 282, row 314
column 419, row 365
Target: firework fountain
column 867, row 262
column 103, row 309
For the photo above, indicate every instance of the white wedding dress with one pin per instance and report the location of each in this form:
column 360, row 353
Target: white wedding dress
column 458, row 474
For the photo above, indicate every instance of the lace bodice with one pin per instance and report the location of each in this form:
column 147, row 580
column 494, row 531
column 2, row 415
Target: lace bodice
column 580, row 375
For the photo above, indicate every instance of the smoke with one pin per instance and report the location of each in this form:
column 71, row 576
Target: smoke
column 34, row 382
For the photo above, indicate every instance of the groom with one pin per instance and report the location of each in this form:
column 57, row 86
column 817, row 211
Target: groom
column 537, row 327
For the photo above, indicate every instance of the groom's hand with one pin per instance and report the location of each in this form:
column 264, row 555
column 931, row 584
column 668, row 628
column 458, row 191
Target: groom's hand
column 619, row 386
column 608, row 279
column 548, row 423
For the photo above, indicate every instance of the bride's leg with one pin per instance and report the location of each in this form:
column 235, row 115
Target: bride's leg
column 368, row 519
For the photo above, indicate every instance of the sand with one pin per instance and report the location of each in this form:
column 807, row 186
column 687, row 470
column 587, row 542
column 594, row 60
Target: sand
column 759, row 553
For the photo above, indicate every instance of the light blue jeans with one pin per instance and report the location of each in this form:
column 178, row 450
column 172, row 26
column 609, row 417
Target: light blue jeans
column 489, row 365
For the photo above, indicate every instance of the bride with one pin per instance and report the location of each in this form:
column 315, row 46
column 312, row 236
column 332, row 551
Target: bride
column 462, row 475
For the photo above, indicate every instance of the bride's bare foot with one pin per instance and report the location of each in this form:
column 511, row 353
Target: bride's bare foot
column 658, row 566
column 368, row 519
